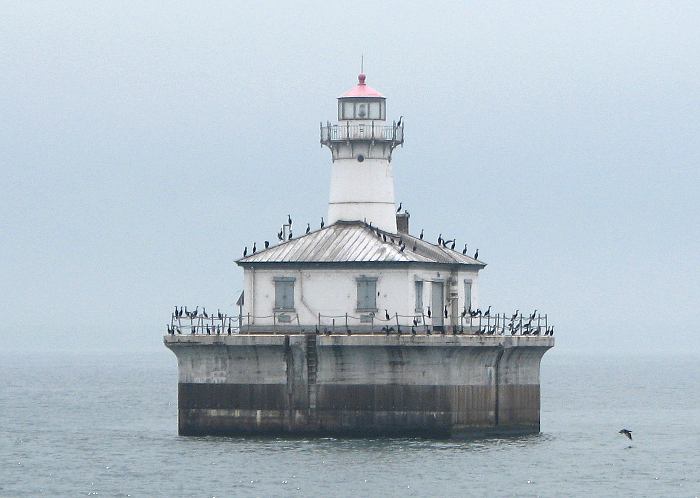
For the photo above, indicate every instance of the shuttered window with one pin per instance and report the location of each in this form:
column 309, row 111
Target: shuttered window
column 419, row 295
column 367, row 294
column 284, row 293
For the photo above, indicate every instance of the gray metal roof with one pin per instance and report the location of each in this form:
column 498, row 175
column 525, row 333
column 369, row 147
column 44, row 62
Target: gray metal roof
column 353, row 242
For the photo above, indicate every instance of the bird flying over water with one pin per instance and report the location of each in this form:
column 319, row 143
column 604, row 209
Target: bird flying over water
column 626, row 432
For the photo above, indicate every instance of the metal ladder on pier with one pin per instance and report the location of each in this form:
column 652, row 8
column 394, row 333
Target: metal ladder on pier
column 311, row 368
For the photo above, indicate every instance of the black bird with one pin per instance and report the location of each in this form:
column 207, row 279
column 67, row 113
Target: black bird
column 290, row 235
column 323, row 224
column 464, row 251
column 204, row 312
column 440, row 239
column 195, row 312
column 403, row 247
column 626, row 432
column 453, row 245
column 384, row 237
column 445, row 311
column 487, row 312
column 515, row 315
column 208, row 330
column 255, row 248
column 218, row 330
column 534, row 314
column 476, row 254
column 429, row 314
column 279, row 235
column 308, row 228
column 421, row 234
column 415, row 322
column 245, row 251
column 347, row 331
column 228, row 330
column 413, row 331
column 267, row 244
column 400, row 206
column 400, row 119
column 170, row 331
column 187, row 313
column 218, row 314
column 179, row 331
column 175, row 311
column 194, row 329
column 551, row 331
column 289, row 220
column 386, row 315
column 180, row 311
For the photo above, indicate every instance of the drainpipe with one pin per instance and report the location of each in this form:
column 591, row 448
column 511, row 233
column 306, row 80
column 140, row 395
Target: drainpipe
column 301, row 293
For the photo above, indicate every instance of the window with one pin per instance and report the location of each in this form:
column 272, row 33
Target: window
column 367, row 294
column 419, row 295
column 284, row 293
column 468, row 294
column 374, row 110
column 348, row 110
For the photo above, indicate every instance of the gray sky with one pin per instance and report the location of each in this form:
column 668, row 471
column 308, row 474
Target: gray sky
column 143, row 144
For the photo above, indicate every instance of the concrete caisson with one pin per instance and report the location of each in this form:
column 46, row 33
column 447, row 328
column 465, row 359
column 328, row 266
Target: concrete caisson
column 360, row 385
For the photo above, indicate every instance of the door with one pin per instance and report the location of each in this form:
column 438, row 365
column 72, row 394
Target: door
column 438, row 304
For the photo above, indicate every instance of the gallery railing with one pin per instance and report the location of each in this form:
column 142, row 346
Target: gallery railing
column 288, row 322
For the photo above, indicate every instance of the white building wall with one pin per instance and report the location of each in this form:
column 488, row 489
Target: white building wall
column 333, row 292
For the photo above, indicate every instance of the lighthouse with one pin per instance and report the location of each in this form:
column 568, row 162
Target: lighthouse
column 361, row 145
column 359, row 327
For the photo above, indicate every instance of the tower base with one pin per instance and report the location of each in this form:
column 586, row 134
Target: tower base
column 359, row 385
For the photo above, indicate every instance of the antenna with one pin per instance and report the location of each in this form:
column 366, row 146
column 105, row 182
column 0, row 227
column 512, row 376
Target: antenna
column 362, row 64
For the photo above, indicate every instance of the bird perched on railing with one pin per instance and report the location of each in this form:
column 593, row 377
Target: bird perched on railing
column 534, row 313
column 204, row 312
column 290, row 235
column 280, row 235
column 515, row 315
column 487, row 312
column 386, row 314
column 289, row 220
column 415, row 322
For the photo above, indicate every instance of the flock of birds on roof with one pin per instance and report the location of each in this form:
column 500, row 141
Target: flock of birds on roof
column 447, row 244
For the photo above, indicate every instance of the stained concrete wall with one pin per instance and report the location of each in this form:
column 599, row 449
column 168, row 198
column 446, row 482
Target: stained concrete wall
column 358, row 385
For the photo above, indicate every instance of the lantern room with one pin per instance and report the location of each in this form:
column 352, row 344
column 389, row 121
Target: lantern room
column 362, row 103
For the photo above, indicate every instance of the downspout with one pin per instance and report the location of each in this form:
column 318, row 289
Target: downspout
column 301, row 293
column 252, row 295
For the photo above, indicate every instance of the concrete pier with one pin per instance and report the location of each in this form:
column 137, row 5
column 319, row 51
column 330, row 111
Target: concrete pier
column 358, row 385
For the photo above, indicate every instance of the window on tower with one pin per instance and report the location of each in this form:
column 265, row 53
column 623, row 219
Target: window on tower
column 367, row 293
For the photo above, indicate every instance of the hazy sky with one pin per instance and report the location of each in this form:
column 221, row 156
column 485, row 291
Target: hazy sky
column 143, row 144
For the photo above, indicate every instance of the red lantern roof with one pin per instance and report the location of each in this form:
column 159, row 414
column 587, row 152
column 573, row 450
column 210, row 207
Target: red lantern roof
column 362, row 90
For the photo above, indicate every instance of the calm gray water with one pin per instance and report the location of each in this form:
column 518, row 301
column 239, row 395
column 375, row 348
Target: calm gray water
column 106, row 425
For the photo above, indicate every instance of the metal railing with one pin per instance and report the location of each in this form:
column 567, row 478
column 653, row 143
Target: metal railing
column 288, row 322
column 338, row 133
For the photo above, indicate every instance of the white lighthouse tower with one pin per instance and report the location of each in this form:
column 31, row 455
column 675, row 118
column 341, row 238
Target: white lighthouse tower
column 361, row 143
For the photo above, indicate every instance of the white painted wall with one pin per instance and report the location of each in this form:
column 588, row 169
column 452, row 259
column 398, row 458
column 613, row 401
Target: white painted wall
column 334, row 292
